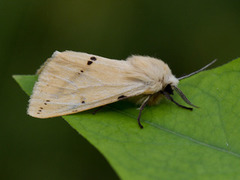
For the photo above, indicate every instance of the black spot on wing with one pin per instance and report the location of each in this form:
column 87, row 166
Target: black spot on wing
column 122, row 97
column 89, row 62
column 79, row 73
column 83, row 102
column 93, row 58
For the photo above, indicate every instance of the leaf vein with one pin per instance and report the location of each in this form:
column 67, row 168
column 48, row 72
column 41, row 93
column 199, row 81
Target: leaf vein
column 178, row 134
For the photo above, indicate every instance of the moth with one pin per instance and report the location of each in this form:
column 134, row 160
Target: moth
column 71, row 82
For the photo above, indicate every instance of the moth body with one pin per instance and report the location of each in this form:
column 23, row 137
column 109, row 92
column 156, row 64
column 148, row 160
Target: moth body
column 155, row 75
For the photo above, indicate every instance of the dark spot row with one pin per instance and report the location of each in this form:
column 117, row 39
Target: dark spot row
column 41, row 108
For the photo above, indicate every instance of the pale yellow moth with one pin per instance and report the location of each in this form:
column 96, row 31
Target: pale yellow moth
column 71, row 82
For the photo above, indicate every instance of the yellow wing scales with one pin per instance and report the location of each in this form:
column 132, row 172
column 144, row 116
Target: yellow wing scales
column 71, row 82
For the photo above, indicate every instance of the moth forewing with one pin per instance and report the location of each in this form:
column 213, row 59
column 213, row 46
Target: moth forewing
column 68, row 83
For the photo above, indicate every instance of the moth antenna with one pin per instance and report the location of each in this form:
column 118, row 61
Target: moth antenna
column 184, row 97
column 171, row 99
column 203, row 68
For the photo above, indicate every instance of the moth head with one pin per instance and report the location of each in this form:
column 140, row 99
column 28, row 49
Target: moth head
column 168, row 91
column 169, row 82
column 171, row 86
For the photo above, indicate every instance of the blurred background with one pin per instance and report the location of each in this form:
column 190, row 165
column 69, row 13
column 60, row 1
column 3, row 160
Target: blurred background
column 185, row 34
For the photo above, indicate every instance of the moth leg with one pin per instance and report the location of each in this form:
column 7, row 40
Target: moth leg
column 141, row 109
column 171, row 99
column 98, row 109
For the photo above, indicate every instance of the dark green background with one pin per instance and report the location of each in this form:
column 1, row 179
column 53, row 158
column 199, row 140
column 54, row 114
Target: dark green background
column 185, row 34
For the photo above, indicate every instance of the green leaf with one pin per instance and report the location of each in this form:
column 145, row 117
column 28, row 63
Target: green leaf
column 26, row 82
column 175, row 143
